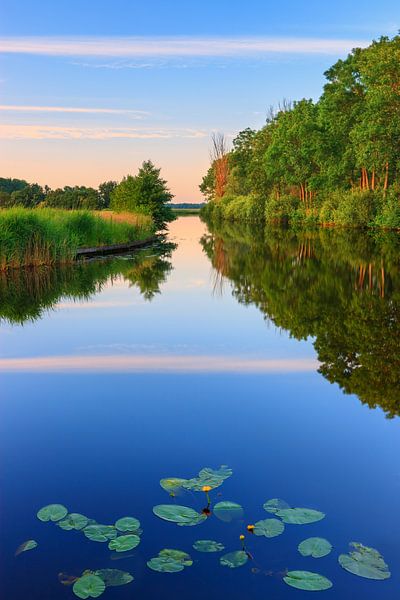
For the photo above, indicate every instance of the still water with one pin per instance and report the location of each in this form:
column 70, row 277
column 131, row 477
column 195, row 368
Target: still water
column 276, row 353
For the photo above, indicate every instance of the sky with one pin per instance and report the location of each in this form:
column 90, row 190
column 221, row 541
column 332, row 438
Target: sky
column 89, row 90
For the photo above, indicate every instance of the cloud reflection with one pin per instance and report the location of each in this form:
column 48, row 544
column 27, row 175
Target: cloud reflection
column 156, row 363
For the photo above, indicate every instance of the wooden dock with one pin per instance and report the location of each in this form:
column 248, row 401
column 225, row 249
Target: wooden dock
column 115, row 248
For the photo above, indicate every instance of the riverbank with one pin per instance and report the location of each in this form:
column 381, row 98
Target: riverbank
column 31, row 238
column 365, row 209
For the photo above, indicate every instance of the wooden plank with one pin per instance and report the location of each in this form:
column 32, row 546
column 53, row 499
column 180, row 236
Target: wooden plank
column 115, row 248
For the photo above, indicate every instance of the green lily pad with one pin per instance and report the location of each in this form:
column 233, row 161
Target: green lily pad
column 123, row 543
column 128, row 524
column 28, row 545
column 212, row 478
column 114, row 577
column 228, row 511
column 100, row 533
column 164, row 564
column 299, row 516
column 269, row 528
column 315, row 547
column 52, row 512
column 89, row 586
column 305, row 580
column 208, row 546
column 275, row 504
column 177, row 555
column 234, row 559
column 73, row 521
column 365, row 562
column 172, row 484
column 181, row 515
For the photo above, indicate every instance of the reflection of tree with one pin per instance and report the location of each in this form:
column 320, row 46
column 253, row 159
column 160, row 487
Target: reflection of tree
column 340, row 287
column 25, row 294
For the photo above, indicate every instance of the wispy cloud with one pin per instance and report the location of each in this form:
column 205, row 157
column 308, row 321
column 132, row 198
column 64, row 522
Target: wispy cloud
column 48, row 132
column 129, row 47
column 158, row 364
column 72, row 109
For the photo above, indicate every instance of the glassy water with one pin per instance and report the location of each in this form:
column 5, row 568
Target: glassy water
column 231, row 348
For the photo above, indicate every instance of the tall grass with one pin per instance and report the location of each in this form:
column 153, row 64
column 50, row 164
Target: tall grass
column 49, row 236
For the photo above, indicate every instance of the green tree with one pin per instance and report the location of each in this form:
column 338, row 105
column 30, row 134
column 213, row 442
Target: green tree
column 105, row 190
column 146, row 193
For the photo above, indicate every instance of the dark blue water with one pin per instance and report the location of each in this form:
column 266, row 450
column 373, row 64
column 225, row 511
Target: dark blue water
column 204, row 381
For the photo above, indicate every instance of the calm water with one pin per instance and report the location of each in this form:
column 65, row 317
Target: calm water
column 117, row 373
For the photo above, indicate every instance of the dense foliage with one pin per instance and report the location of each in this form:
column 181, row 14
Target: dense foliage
column 341, row 288
column 145, row 193
column 333, row 161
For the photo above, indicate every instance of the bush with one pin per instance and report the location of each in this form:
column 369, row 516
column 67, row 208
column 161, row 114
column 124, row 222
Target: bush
column 279, row 210
column 356, row 209
column 389, row 215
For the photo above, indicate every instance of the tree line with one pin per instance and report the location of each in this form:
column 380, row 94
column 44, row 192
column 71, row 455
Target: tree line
column 144, row 193
column 336, row 160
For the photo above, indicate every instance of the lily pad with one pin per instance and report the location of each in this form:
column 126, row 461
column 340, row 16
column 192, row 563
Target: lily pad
column 177, row 555
column 212, row 478
column 365, row 562
column 181, row 515
column 114, row 577
column 73, row 521
column 305, row 580
column 275, row 504
column 28, row 545
column 234, row 559
column 123, row 543
column 228, row 511
column 299, row 516
column 315, row 547
column 208, row 546
column 89, row 586
column 269, row 528
column 172, row 484
column 100, row 533
column 164, row 564
column 52, row 512
column 128, row 524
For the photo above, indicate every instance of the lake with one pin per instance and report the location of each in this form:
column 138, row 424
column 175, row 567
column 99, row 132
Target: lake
column 273, row 352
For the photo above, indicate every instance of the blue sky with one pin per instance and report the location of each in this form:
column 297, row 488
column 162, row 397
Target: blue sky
column 91, row 89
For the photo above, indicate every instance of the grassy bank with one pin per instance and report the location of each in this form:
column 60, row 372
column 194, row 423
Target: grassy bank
column 347, row 208
column 45, row 237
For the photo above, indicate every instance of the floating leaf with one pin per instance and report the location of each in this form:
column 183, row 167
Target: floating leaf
column 114, row 577
column 275, row 504
column 315, row 547
column 228, row 511
column 66, row 579
column 128, row 524
column 100, row 533
column 28, row 545
column 269, row 528
column 305, row 580
column 212, row 478
column 181, row 515
column 73, row 521
column 177, row 555
column 89, row 586
column 365, row 562
column 172, row 484
column 165, row 565
column 52, row 512
column 208, row 546
column 299, row 516
column 234, row 559
column 123, row 543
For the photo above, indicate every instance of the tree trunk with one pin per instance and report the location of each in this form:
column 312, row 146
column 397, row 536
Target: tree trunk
column 386, row 182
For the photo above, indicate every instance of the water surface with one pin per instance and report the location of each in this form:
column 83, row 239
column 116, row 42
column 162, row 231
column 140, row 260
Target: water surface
column 235, row 347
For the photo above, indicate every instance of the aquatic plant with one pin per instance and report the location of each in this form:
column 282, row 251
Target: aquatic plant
column 73, row 521
column 365, row 562
column 114, row 577
column 275, row 504
column 123, row 543
column 228, row 511
column 170, row 561
column 52, row 512
column 269, row 528
column 299, row 516
column 128, row 524
column 306, row 580
column 208, row 546
column 315, row 547
column 233, row 560
column 28, row 545
column 89, row 586
column 181, row 515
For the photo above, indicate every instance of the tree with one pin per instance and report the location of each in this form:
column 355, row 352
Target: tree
column 9, row 185
column 73, row 198
column 146, row 193
column 105, row 191
column 29, row 196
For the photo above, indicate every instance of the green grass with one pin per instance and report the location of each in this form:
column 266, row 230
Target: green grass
column 180, row 212
column 49, row 236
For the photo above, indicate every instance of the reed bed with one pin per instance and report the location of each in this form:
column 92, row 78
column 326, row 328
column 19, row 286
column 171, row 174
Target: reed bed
column 30, row 238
